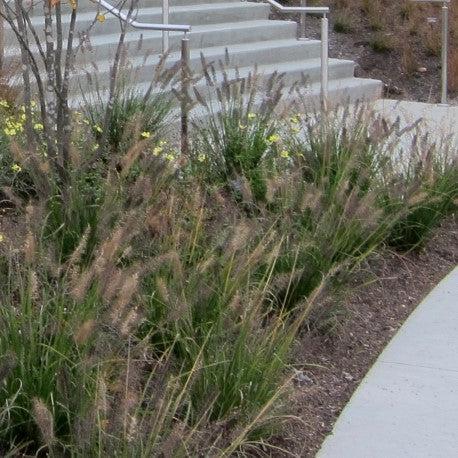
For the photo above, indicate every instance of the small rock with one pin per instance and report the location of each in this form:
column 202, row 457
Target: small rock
column 422, row 70
column 348, row 376
column 301, row 378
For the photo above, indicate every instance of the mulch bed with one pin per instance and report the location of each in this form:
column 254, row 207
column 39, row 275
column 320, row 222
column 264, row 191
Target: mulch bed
column 331, row 365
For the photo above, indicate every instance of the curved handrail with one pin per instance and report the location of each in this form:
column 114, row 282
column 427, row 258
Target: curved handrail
column 319, row 10
column 142, row 25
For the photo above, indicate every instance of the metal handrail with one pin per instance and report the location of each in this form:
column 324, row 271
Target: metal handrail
column 165, row 27
column 313, row 10
column 444, row 52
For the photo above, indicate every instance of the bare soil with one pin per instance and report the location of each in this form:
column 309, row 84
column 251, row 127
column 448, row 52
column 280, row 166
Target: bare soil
column 422, row 82
column 331, row 362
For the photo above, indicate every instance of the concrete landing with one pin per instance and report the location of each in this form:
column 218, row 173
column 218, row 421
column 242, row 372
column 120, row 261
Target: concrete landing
column 440, row 121
column 407, row 405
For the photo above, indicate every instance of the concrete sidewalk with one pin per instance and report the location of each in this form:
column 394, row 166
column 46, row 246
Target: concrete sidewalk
column 407, row 405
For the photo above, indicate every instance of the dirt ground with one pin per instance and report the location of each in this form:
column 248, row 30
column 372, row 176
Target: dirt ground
column 422, row 84
column 330, row 365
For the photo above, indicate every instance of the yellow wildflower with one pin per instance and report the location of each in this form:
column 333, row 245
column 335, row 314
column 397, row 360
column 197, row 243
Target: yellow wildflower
column 23, row 117
column 201, row 157
column 145, row 134
column 162, row 143
column 16, row 168
column 4, row 104
column 294, row 119
column 1, row 238
column 242, row 126
column 9, row 131
column 170, row 157
column 274, row 138
column 98, row 129
column 157, row 150
column 101, row 18
column 251, row 115
column 284, row 154
column 38, row 126
column 33, row 104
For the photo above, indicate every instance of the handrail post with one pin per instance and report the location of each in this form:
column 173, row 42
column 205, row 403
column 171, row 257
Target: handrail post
column 324, row 61
column 184, row 106
column 445, row 12
column 2, row 39
column 165, row 20
column 302, row 21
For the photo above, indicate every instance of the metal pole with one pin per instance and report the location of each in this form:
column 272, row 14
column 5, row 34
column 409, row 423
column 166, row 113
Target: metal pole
column 303, row 18
column 185, row 73
column 2, row 38
column 444, row 53
column 165, row 20
column 324, row 61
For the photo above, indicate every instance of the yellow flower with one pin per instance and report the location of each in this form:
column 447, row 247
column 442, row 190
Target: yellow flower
column 23, row 117
column 274, row 138
column 145, row 134
column 251, row 115
column 162, row 143
column 98, row 129
column 242, row 126
column 33, row 104
column 294, row 119
column 4, row 104
column 101, row 18
column 157, row 150
column 201, row 157
column 10, row 131
column 1, row 238
column 38, row 126
column 295, row 130
column 16, row 168
column 284, row 154
column 170, row 157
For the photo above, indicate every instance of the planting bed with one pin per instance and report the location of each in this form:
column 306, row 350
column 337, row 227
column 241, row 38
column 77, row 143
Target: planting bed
column 333, row 364
column 407, row 55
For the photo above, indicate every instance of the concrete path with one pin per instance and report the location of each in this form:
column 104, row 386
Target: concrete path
column 407, row 406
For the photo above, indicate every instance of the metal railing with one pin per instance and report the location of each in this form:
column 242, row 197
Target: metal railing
column 444, row 52
column 322, row 11
column 166, row 28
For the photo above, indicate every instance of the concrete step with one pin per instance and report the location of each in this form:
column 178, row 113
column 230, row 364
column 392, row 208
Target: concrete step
column 342, row 85
column 195, row 14
column 89, row 5
column 205, row 36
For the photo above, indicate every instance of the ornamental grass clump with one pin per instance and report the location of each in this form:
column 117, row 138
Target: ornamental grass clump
column 234, row 135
